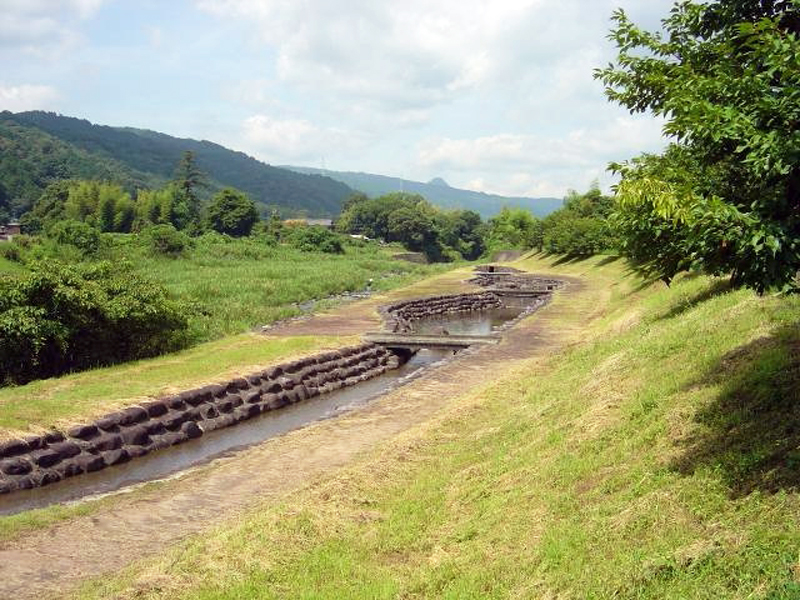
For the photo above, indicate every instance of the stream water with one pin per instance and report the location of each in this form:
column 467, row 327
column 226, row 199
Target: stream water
column 164, row 463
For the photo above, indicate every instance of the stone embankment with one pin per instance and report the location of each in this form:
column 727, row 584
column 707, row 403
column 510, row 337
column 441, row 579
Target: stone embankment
column 401, row 316
column 138, row 430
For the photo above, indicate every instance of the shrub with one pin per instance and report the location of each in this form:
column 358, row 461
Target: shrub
column 58, row 318
column 315, row 239
column 76, row 233
column 232, row 212
column 166, row 240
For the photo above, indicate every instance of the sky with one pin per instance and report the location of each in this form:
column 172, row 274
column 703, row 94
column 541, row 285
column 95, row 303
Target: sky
column 495, row 96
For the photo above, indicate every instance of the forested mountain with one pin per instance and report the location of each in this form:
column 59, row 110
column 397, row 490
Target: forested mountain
column 438, row 192
column 37, row 148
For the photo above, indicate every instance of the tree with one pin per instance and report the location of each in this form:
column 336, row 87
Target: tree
column 512, row 228
column 725, row 76
column 189, row 179
column 232, row 212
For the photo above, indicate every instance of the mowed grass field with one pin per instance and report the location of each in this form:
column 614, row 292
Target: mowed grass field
column 656, row 457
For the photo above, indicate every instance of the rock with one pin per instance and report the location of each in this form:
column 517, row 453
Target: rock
column 251, row 397
column 273, row 372
column 191, row 430
column 45, row 458
column 137, row 451
column 156, row 408
column 154, row 427
column 109, row 422
column 35, row 442
column 271, row 387
column 132, row 415
column 136, row 436
column 224, row 405
column 240, row 383
column 53, row 437
column 69, row 468
column 26, row 483
column 173, row 421
column 15, row 466
column 66, row 449
column 90, row 463
column 110, row 441
column 224, row 421
column 217, row 390
column 6, row 486
column 196, row 397
column 13, row 448
column 176, row 403
column 246, row 412
column 115, row 457
column 254, row 380
column 208, row 411
column 83, row 432
column 43, row 478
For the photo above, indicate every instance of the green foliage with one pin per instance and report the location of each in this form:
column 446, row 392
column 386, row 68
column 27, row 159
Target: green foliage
column 415, row 223
column 576, row 236
column 513, row 228
column 726, row 77
column 166, row 240
column 232, row 212
column 76, row 233
column 315, row 239
column 39, row 148
column 31, row 159
column 581, row 227
column 58, row 318
column 189, row 180
column 166, row 206
column 104, row 206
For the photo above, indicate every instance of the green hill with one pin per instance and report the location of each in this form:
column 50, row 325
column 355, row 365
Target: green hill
column 41, row 147
column 438, row 192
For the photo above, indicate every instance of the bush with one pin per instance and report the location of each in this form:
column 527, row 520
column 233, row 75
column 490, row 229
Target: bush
column 315, row 239
column 75, row 233
column 58, row 318
column 232, row 212
column 166, row 240
column 577, row 236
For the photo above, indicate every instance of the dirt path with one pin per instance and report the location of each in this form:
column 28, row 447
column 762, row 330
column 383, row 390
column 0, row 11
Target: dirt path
column 57, row 559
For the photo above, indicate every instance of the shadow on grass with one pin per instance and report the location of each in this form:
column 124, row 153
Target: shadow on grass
column 717, row 288
column 750, row 434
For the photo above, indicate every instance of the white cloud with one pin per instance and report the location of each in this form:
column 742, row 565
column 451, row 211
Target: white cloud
column 284, row 140
column 16, row 98
column 43, row 27
column 387, row 56
column 522, row 164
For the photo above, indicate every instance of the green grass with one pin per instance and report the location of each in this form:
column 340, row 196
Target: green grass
column 655, row 459
column 75, row 398
column 233, row 285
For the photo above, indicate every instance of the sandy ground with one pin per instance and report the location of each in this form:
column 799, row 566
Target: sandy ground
column 49, row 562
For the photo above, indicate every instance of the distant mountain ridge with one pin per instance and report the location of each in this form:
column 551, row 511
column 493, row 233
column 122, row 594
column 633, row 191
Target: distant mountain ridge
column 437, row 191
column 38, row 147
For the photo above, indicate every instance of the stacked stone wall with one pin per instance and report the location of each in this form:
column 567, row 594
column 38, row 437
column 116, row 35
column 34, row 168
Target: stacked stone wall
column 138, row 430
column 401, row 316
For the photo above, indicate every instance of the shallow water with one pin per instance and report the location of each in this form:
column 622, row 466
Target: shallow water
column 483, row 322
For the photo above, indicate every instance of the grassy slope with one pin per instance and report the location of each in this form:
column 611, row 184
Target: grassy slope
column 656, row 459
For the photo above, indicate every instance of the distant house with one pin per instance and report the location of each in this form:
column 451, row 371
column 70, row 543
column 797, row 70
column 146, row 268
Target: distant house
column 326, row 223
column 7, row 232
